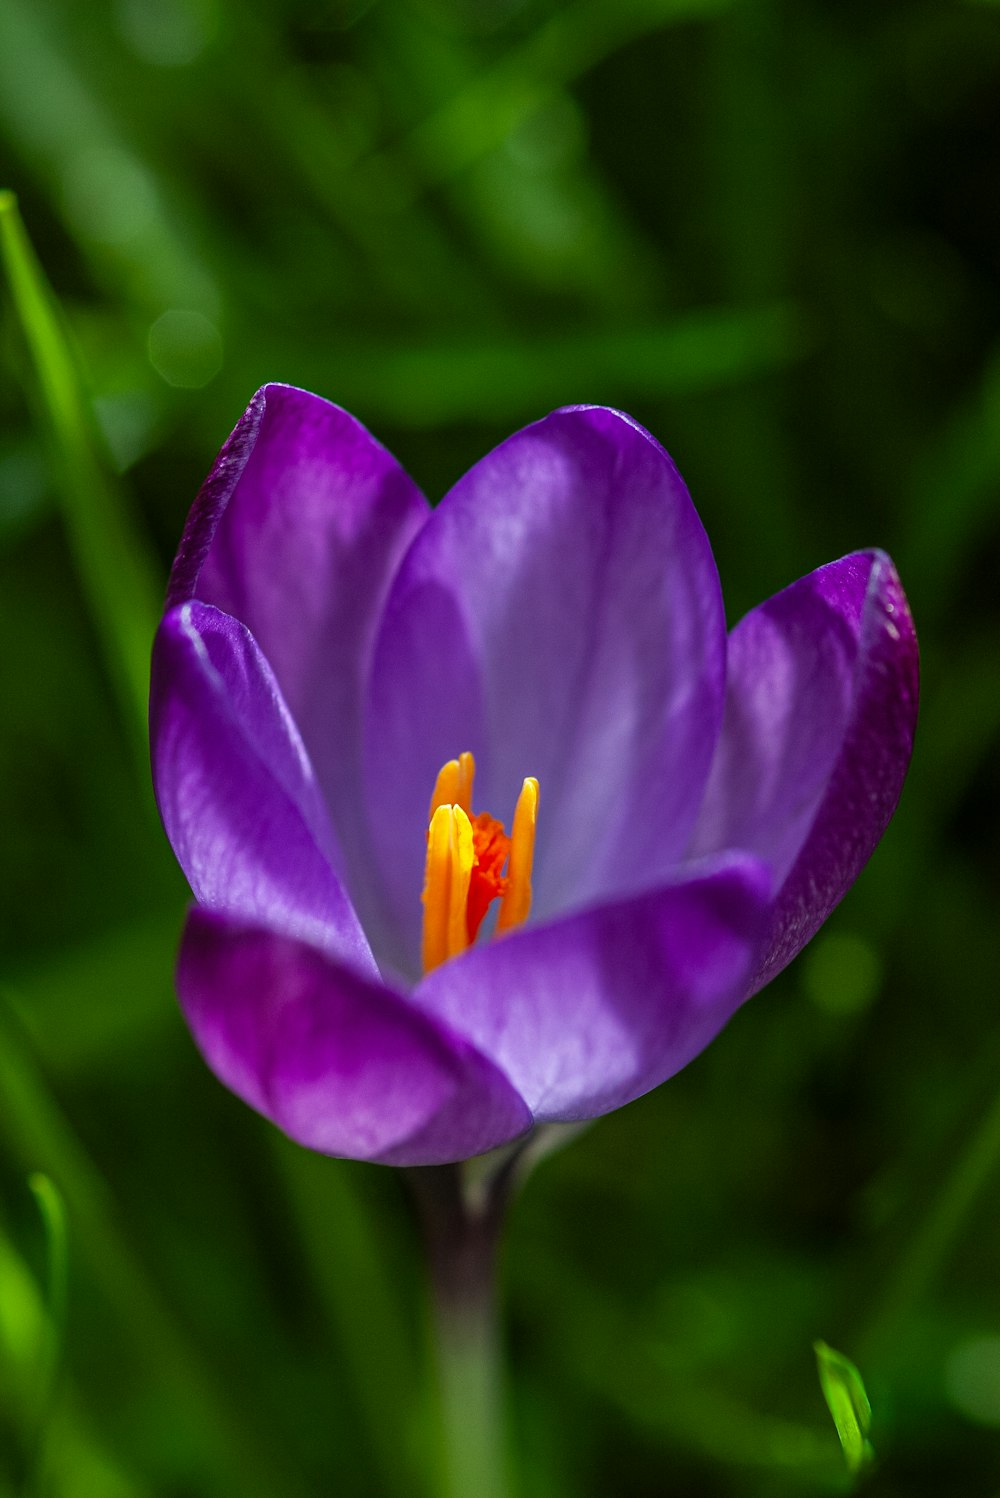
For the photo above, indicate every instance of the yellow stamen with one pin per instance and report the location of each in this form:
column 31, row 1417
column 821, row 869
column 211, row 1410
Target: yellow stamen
column 445, row 788
column 453, row 786
column 516, row 902
column 466, row 856
column 446, row 886
column 466, row 775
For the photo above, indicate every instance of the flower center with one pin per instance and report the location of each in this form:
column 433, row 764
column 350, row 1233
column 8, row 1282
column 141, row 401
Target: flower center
column 466, row 855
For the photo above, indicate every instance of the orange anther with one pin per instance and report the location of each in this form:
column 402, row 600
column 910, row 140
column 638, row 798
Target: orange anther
column 517, row 896
column 446, row 886
column 466, row 859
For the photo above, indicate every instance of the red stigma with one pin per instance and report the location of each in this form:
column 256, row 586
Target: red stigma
column 491, row 847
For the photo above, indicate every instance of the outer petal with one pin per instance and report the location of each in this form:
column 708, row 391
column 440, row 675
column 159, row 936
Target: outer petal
column 591, row 1011
column 235, row 787
column 560, row 616
column 341, row 1064
column 820, row 715
column 297, row 532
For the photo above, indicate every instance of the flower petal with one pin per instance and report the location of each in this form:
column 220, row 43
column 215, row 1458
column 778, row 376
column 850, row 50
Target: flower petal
column 820, row 715
column 560, row 616
column 235, row 787
column 341, row 1064
column 296, row 532
column 592, row 1010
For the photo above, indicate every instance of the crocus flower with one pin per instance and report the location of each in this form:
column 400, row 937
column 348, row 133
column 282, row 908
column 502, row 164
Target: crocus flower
column 351, row 695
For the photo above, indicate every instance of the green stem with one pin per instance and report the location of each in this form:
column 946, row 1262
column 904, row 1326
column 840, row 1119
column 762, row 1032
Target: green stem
column 462, row 1233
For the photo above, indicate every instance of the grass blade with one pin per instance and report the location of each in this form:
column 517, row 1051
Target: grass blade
column 114, row 569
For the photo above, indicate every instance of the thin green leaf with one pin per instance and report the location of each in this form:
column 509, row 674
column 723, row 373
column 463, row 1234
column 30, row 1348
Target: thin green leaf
column 53, row 1214
column 115, row 571
column 33, row 1126
column 711, row 349
column 495, row 101
column 848, row 1403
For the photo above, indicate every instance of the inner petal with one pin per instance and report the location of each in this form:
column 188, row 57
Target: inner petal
column 560, row 612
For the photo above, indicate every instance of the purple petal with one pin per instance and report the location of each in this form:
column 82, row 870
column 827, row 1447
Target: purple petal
column 297, row 532
column 560, row 616
column 591, row 1011
column 235, row 787
column 341, row 1064
column 820, row 714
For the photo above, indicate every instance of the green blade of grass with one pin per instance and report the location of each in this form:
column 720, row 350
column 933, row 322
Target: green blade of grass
column 514, row 378
column 480, row 116
column 35, row 1131
column 848, row 1403
column 74, row 1462
column 115, row 571
column 53, row 1215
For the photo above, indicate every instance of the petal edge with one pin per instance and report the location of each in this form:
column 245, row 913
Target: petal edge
column 867, row 777
column 235, row 787
column 592, row 1010
column 343, row 1065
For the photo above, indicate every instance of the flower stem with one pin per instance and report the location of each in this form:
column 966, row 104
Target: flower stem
column 462, row 1231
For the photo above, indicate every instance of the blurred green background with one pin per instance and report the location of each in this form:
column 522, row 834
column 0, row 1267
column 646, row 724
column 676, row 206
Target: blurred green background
column 771, row 231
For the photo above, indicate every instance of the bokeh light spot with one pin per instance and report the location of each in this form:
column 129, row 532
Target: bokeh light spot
column 168, row 33
column 185, row 349
column 841, row 973
column 552, row 137
column 108, row 195
column 972, row 1379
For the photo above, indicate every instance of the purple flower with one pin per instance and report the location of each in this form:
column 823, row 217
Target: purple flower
column 703, row 802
